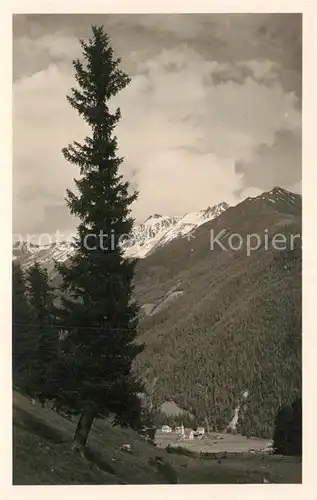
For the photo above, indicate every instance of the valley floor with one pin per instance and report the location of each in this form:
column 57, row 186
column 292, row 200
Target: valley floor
column 41, row 455
column 215, row 443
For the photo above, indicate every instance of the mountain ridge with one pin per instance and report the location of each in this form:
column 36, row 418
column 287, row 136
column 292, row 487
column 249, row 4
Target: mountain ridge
column 157, row 230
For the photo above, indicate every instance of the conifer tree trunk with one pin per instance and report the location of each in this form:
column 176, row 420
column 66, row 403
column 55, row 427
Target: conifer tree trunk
column 82, row 430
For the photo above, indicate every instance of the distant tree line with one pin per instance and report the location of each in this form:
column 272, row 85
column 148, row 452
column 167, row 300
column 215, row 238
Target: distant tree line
column 287, row 437
column 35, row 335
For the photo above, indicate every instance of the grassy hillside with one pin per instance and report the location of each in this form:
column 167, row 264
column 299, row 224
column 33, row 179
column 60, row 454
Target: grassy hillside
column 235, row 327
column 41, row 455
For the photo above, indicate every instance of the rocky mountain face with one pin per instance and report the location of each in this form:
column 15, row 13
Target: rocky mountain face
column 159, row 230
column 156, row 231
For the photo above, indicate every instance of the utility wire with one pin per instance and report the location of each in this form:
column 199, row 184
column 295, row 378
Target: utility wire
column 60, row 327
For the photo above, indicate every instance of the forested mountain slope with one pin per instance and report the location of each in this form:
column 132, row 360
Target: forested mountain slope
column 220, row 322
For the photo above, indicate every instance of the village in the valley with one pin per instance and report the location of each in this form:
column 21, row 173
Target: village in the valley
column 181, row 434
column 201, row 441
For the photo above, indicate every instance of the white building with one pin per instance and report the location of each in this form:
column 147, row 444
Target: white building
column 166, row 428
column 200, row 432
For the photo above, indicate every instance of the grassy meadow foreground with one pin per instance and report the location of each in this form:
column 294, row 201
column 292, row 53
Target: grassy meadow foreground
column 46, row 436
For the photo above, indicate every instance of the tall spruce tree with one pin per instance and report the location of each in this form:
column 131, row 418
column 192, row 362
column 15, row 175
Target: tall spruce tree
column 22, row 340
column 98, row 315
column 44, row 330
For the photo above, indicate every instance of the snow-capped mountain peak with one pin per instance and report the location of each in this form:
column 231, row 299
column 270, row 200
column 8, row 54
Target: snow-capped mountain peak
column 277, row 195
column 160, row 230
column 157, row 230
column 154, row 218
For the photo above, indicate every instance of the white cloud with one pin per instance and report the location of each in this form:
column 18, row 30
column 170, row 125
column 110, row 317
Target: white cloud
column 296, row 188
column 262, row 70
column 52, row 45
column 43, row 123
column 180, row 133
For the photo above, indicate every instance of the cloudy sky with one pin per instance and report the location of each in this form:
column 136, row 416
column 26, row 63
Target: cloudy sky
column 213, row 111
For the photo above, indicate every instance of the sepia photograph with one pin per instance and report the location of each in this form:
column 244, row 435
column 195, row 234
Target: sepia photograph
column 157, row 249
